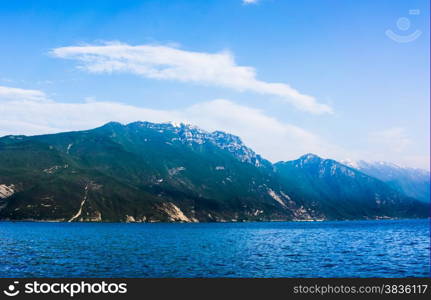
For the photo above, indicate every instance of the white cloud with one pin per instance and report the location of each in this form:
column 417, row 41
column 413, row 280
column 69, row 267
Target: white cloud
column 416, row 161
column 249, row 1
column 274, row 139
column 31, row 112
column 395, row 145
column 392, row 139
column 168, row 63
column 8, row 93
column 268, row 136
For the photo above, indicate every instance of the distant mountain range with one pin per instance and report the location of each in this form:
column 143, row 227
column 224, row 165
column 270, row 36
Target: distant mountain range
column 413, row 182
column 147, row 172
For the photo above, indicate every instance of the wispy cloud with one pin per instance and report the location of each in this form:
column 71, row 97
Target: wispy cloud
column 392, row 139
column 31, row 116
column 9, row 93
column 395, row 145
column 33, row 112
column 168, row 63
column 249, row 1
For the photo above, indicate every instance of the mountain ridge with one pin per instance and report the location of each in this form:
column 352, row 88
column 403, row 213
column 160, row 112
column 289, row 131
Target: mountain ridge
column 164, row 172
column 413, row 182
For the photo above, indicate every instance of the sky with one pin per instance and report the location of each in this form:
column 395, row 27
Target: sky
column 347, row 80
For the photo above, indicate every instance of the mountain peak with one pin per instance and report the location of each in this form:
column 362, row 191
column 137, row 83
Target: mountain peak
column 112, row 123
column 310, row 157
column 175, row 126
column 193, row 135
column 110, row 126
column 351, row 163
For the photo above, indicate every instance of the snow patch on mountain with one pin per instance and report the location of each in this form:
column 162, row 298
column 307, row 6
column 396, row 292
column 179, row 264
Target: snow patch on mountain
column 192, row 135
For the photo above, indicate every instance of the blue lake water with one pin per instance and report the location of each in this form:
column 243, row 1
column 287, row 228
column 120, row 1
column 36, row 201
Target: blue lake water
column 395, row 248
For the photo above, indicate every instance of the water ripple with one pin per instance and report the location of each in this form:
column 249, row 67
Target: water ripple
column 279, row 249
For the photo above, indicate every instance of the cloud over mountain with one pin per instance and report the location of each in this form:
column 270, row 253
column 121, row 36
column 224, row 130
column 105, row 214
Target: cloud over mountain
column 29, row 115
column 168, row 63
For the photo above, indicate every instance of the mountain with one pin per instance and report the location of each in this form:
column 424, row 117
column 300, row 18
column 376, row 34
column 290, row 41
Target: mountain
column 341, row 192
column 147, row 172
column 413, row 182
column 141, row 172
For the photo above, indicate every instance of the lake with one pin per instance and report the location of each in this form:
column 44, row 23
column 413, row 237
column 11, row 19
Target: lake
column 386, row 248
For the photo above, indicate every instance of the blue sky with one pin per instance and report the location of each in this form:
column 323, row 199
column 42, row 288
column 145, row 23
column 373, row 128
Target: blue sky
column 289, row 77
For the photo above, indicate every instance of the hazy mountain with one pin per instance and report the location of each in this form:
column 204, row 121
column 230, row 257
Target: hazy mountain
column 413, row 182
column 339, row 191
column 175, row 172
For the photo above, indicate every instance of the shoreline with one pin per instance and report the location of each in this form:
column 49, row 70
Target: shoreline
column 227, row 222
